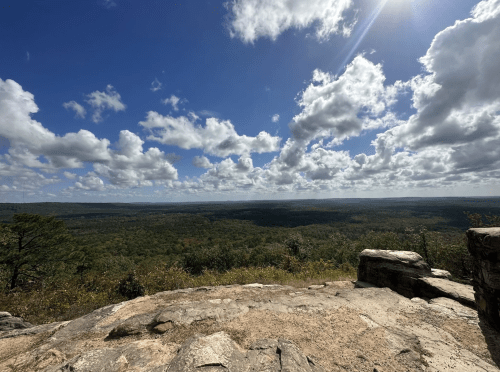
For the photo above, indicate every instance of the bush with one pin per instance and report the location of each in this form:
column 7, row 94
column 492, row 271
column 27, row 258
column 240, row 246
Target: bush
column 346, row 267
column 271, row 255
column 220, row 258
column 130, row 287
column 298, row 246
column 291, row 264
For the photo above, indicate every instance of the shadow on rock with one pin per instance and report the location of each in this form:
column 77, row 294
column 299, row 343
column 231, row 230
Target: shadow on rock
column 492, row 338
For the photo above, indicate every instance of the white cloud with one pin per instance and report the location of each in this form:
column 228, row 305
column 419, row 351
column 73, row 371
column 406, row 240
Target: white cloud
column 155, row 85
column 458, row 100
column 209, row 113
column 16, row 179
column 90, row 182
column 31, row 143
column 226, row 176
column 275, row 118
column 486, row 10
column 80, row 111
column 130, row 166
column 101, row 101
column 251, row 19
column 217, row 137
column 333, row 106
column 193, row 116
column 202, row 162
column 69, row 176
column 27, row 56
column 342, row 107
column 451, row 142
column 174, row 101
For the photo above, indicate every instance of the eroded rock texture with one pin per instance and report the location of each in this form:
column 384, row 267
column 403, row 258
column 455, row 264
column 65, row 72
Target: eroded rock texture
column 403, row 316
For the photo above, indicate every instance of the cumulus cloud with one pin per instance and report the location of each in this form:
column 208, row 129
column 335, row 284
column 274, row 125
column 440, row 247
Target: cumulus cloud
column 155, row 85
column 69, row 175
column 131, row 166
column 275, row 118
column 31, row 143
column 218, row 137
column 333, row 106
column 80, row 111
column 451, row 140
column 458, row 98
column 201, row 162
column 226, row 176
column 174, row 101
column 251, row 19
column 108, row 100
column 341, row 107
column 90, row 182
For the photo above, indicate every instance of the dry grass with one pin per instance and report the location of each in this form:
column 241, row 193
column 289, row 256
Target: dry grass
column 71, row 300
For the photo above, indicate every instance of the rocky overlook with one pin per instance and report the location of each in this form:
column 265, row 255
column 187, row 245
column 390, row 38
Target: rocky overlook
column 364, row 325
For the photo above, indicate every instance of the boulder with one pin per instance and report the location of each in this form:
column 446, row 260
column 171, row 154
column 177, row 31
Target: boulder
column 443, row 274
column 9, row 322
column 401, row 271
column 128, row 328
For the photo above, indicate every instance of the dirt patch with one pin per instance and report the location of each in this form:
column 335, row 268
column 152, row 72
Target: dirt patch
column 15, row 351
column 16, row 345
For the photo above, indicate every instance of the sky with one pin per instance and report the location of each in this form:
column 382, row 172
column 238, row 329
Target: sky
column 165, row 101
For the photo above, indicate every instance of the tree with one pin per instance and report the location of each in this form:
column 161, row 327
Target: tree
column 33, row 246
column 476, row 220
column 298, row 246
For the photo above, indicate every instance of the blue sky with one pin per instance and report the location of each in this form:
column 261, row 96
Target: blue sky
column 127, row 101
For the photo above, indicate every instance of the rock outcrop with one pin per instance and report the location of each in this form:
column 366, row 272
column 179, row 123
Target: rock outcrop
column 330, row 327
column 483, row 245
column 9, row 322
column 409, row 275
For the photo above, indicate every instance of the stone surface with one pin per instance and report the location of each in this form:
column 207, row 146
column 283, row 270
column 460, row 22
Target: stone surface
column 408, row 274
column 436, row 287
column 315, row 287
column 483, row 245
column 263, row 328
column 443, row 274
column 127, row 328
column 9, row 322
column 398, row 270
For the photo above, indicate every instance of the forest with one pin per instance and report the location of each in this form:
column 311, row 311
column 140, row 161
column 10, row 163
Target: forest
column 59, row 261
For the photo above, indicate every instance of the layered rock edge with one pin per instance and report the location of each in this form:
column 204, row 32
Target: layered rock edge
column 255, row 327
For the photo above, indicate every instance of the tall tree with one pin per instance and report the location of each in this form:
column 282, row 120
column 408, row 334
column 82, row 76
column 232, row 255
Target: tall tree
column 33, row 245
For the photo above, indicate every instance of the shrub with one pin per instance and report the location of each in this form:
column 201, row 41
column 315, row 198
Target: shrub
column 291, row 264
column 298, row 246
column 130, row 287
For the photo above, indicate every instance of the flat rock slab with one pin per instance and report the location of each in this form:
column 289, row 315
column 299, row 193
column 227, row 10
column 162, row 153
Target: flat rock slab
column 436, row 287
column 257, row 328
